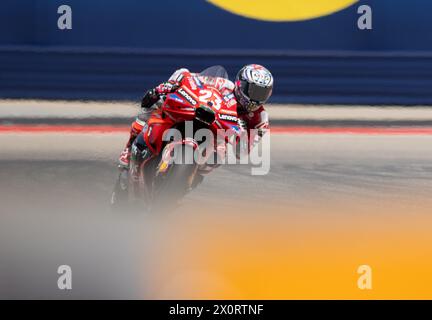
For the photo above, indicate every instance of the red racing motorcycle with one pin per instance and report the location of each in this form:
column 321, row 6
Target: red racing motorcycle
column 173, row 133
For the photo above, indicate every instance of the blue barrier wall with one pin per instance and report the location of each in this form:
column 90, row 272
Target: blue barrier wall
column 116, row 49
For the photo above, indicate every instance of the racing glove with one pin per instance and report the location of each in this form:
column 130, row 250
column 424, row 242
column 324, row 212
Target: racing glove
column 167, row 87
column 152, row 96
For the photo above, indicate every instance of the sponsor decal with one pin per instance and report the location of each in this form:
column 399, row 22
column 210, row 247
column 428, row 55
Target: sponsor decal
column 231, row 103
column 180, row 77
column 176, row 98
column 228, row 97
column 227, row 117
column 235, row 128
column 187, row 96
column 230, row 100
column 233, row 113
column 192, row 84
column 188, row 109
column 219, row 84
column 198, row 82
column 149, row 131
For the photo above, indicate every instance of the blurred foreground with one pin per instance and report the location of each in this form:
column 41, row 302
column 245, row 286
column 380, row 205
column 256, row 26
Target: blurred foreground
column 329, row 204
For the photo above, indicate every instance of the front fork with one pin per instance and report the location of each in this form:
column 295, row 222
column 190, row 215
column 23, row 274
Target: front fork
column 168, row 155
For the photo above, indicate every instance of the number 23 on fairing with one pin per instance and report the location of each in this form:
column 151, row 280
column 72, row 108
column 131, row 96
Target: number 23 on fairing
column 211, row 96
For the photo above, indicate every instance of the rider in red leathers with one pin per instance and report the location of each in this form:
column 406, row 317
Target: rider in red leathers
column 252, row 88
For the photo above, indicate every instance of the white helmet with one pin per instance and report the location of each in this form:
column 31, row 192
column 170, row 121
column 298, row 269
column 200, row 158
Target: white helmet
column 253, row 86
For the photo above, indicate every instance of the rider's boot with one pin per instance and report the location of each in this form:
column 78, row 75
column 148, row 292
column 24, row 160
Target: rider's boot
column 138, row 126
column 124, row 158
column 140, row 153
column 121, row 190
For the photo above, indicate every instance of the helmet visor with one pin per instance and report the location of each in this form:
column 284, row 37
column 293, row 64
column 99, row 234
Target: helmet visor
column 257, row 93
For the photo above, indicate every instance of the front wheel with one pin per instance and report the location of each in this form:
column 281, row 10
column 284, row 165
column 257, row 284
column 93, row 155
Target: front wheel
column 169, row 187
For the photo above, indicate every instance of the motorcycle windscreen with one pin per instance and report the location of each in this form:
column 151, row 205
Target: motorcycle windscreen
column 215, row 71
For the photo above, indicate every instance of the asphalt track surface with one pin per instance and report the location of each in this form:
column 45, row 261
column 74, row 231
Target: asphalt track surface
column 55, row 189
